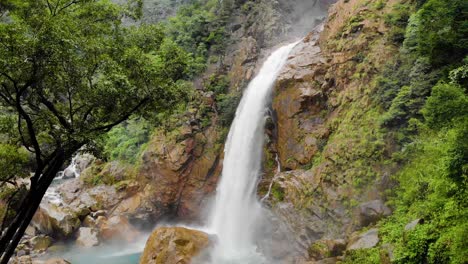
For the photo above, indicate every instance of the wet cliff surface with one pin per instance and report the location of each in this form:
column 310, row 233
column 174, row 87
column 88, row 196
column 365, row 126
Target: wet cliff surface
column 331, row 150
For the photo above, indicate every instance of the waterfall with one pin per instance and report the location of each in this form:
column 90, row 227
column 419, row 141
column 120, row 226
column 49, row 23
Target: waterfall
column 236, row 213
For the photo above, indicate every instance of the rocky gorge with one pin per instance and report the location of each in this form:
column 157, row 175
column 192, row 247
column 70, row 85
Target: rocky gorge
column 326, row 170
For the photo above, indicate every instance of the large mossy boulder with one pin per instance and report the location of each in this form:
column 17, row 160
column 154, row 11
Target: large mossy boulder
column 173, row 245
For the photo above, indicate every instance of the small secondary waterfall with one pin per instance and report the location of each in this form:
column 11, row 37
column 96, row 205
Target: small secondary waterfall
column 237, row 211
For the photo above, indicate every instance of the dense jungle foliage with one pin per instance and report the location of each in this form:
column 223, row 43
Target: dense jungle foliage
column 424, row 96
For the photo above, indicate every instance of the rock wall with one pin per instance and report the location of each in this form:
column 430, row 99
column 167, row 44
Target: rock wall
column 181, row 167
column 328, row 140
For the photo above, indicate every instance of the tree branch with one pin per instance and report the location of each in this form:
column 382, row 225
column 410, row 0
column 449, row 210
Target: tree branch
column 20, row 131
column 10, row 199
column 122, row 118
column 31, row 131
column 54, row 111
column 67, row 6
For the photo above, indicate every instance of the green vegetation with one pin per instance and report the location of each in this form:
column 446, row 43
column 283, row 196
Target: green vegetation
column 70, row 71
column 115, row 173
column 277, row 192
column 126, row 141
column 199, row 28
column 424, row 98
column 368, row 256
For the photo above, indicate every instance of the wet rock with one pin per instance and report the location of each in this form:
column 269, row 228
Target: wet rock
column 368, row 239
column 129, row 205
column 30, row 231
column 77, row 196
column 82, row 211
column 87, row 237
column 118, row 227
column 88, row 221
column 99, row 213
column 304, row 226
column 55, row 220
column 57, row 261
column 22, row 260
column 412, row 225
column 100, row 220
column 83, row 161
column 323, row 249
column 298, row 103
column 57, row 248
column 173, row 245
column 40, row 243
column 372, row 211
column 69, row 173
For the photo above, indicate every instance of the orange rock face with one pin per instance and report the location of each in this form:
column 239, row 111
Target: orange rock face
column 179, row 175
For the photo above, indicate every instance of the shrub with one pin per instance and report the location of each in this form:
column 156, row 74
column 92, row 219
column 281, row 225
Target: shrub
column 438, row 30
column 227, row 106
column 446, row 103
column 125, row 142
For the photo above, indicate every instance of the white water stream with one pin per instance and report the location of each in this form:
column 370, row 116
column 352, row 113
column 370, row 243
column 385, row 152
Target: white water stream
column 72, row 171
column 236, row 214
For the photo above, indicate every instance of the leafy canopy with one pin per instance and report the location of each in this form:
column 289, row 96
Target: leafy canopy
column 71, row 69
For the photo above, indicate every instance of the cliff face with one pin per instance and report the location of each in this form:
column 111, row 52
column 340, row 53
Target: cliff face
column 331, row 150
column 182, row 167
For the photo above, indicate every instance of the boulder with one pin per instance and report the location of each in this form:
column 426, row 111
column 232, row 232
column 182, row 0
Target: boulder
column 368, row 239
column 69, row 173
column 30, row 231
column 372, row 211
column 57, row 261
column 22, row 260
column 99, row 213
column 117, row 227
column 21, row 253
column 56, row 249
column 87, row 237
column 83, row 161
column 40, row 243
column 173, row 245
column 88, row 221
column 55, row 221
column 100, row 220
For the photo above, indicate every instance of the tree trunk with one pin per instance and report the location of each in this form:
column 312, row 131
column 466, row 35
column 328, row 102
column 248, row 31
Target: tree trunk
column 29, row 205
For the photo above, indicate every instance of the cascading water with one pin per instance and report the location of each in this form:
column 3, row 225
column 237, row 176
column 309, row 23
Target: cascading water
column 236, row 213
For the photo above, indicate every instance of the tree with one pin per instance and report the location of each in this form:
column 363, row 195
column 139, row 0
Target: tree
column 69, row 72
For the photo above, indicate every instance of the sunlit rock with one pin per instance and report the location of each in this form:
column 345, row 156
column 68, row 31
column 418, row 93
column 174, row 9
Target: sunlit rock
column 368, row 239
column 173, row 245
column 118, row 227
column 40, row 243
column 87, row 237
column 54, row 220
column 56, row 261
